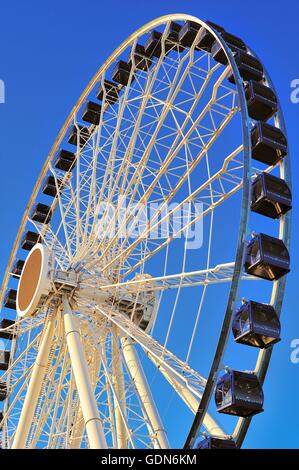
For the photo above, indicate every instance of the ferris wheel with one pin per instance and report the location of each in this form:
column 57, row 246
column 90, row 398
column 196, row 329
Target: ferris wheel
column 141, row 301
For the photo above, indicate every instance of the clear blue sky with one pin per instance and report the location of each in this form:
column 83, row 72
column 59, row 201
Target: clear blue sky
column 50, row 50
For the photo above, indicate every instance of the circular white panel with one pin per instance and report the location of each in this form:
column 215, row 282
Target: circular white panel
column 34, row 281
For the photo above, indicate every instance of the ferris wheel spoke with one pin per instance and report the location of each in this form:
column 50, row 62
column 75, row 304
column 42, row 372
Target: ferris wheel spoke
column 50, row 239
column 152, row 141
column 135, row 127
column 193, row 381
column 173, row 151
column 189, row 398
column 122, row 253
column 159, row 246
column 213, row 275
column 59, row 188
column 174, row 87
column 212, row 202
column 231, row 180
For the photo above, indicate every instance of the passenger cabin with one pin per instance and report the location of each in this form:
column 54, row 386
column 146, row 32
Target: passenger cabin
column 6, row 323
column 256, row 324
column 92, row 113
column 215, row 26
column 267, row 257
column 271, row 196
column 153, row 44
column 78, row 139
column 211, row 442
column 239, row 393
column 108, row 91
column 41, row 213
column 17, row 268
column 250, row 68
column 269, row 144
column 50, row 187
column 3, row 390
column 65, row 160
column 29, row 240
column 207, row 39
column 261, row 101
column 172, row 40
column 140, row 58
column 188, row 33
column 10, row 299
column 233, row 42
column 4, row 359
column 121, row 73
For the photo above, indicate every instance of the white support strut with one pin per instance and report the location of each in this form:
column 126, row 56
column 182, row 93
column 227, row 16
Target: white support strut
column 88, row 403
column 119, row 386
column 33, row 392
column 142, row 387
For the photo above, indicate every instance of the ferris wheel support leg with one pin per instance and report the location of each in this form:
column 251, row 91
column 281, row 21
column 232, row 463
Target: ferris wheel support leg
column 88, row 403
column 34, row 388
column 142, row 387
column 119, row 386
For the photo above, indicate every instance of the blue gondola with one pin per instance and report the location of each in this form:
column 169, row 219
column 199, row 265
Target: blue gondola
column 65, row 160
column 41, row 213
column 152, row 45
column 256, row 325
column 141, row 59
column 92, row 113
column 29, row 240
column 206, row 39
column 250, row 68
column 83, row 137
column 239, row 393
column 172, row 40
column 3, row 390
column 269, row 144
column 17, row 268
column 4, row 359
column 49, row 187
column 5, row 323
column 271, row 196
column 10, row 299
column 216, row 443
column 109, row 90
column 261, row 101
column 121, row 73
column 233, row 42
column 267, row 257
column 188, row 33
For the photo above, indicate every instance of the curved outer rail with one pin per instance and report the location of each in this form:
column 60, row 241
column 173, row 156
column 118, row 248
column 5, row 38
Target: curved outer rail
column 264, row 356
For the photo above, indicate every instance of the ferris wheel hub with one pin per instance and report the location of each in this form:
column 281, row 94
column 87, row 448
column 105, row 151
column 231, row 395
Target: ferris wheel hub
column 39, row 280
column 34, row 281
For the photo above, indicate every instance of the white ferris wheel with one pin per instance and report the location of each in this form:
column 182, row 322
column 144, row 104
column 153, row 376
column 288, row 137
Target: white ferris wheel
column 157, row 232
